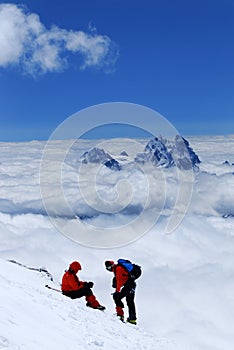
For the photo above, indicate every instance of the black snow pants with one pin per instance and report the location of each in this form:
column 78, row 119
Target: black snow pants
column 128, row 292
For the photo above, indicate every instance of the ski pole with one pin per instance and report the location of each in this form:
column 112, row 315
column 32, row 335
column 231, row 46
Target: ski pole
column 57, row 290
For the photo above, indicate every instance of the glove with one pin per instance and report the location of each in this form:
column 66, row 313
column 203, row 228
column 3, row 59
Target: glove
column 88, row 284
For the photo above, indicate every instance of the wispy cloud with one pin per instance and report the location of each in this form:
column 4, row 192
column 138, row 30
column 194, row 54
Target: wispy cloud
column 27, row 43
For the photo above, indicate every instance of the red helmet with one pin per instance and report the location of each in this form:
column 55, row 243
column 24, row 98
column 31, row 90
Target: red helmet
column 75, row 266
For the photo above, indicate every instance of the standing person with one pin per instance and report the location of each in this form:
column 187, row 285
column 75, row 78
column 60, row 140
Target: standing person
column 74, row 288
column 125, row 287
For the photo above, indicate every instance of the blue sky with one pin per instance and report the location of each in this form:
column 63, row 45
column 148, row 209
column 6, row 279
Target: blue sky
column 174, row 56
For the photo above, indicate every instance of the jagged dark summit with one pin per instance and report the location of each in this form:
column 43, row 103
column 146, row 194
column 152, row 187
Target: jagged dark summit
column 99, row 156
column 168, row 153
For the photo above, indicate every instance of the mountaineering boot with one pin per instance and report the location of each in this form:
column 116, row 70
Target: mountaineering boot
column 120, row 313
column 131, row 321
column 93, row 303
column 121, row 317
column 98, row 307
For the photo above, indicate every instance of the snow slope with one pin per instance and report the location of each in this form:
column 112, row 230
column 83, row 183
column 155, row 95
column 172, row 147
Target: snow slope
column 33, row 317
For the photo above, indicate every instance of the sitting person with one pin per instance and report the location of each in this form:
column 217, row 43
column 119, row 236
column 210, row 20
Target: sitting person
column 73, row 288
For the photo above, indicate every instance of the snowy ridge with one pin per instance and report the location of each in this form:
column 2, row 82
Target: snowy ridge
column 186, row 288
column 36, row 318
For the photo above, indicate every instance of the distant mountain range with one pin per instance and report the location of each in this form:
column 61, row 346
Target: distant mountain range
column 158, row 151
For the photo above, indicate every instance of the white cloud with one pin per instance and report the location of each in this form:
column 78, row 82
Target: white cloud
column 26, row 42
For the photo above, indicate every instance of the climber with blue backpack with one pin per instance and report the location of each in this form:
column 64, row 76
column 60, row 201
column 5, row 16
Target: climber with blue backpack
column 125, row 274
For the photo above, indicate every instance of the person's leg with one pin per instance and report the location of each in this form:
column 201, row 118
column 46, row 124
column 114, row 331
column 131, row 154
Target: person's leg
column 131, row 305
column 129, row 290
column 84, row 292
column 119, row 304
column 91, row 299
column 74, row 294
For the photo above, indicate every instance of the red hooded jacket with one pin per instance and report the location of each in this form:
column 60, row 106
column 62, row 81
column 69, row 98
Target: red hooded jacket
column 70, row 281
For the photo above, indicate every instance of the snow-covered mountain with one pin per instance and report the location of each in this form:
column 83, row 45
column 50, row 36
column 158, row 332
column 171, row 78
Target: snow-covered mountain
column 167, row 153
column 159, row 151
column 156, row 152
column 99, row 156
column 185, row 156
column 95, row 155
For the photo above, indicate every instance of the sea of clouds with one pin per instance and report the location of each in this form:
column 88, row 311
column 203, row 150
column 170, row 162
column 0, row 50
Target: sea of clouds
column 116, row 192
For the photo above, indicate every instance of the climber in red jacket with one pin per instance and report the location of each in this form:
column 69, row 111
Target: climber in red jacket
column 124, row 288
column 74, row 288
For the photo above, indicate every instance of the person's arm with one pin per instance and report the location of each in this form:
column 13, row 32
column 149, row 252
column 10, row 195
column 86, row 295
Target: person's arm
column 118, row 275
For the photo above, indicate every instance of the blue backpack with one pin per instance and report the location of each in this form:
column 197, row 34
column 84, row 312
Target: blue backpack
column 134, row 270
